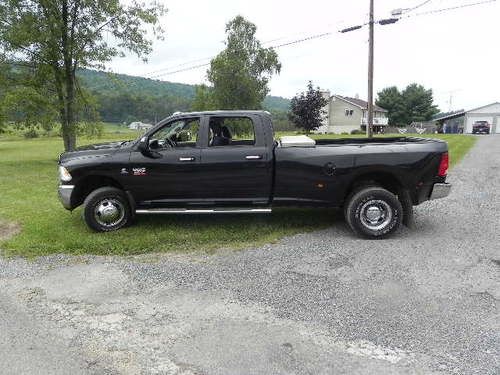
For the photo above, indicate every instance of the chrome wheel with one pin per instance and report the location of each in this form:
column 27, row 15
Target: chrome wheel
column 375, row 214
column 109, row 212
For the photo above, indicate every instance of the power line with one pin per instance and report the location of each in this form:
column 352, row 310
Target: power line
column 399, row 15
column 211, row 57
column 448, row 9
column 418, row 6
column 329, row 33
column 304, row 39
column 317, row 36
column 178, row 65
column 179, row 70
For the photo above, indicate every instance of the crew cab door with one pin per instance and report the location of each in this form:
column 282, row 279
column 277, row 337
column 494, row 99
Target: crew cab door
column 169, row 175
column 236, row 161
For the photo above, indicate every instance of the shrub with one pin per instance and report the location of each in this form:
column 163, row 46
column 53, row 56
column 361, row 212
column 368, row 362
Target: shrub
column 357, row 131
column 32, row 133
column 90, row 129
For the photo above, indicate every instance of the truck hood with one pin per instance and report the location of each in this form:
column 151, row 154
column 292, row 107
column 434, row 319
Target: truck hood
column 98, row 150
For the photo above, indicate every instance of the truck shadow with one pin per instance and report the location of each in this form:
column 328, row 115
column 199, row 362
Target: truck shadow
column 282, row 217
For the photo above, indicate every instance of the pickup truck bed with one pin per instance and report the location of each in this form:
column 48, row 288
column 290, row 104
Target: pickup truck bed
column 229, row 161
column 408, row 162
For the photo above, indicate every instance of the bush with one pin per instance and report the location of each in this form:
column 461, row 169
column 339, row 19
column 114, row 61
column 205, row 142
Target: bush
column 90, row 129
column 357, row 131
column 32, row 133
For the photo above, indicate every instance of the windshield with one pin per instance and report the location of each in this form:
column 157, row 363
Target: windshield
column 180, row 133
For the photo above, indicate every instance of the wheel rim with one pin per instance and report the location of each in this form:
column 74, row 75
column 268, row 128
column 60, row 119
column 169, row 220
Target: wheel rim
column 375, row 214
column 109, row 212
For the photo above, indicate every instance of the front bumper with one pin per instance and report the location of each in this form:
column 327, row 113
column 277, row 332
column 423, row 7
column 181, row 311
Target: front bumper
column 64, row 192
column 440, row 190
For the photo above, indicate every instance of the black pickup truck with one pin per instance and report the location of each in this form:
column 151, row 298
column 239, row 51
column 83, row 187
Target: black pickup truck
column 230, row 162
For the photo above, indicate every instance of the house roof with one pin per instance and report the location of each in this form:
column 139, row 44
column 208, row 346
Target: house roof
column 448, row 115
column 484, row 106
column 459, row 113
column 359, row 103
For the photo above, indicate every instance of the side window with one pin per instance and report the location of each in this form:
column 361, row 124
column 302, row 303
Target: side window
column 231, row 131
column 180, row 133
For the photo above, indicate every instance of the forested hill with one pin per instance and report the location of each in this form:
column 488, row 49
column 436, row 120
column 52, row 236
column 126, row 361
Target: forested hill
column 124, row 98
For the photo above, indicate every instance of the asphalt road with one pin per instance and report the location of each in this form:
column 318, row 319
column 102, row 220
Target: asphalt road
column 424, row 302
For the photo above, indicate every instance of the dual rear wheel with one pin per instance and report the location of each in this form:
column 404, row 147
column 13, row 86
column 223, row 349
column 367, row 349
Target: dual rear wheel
column 373, row 212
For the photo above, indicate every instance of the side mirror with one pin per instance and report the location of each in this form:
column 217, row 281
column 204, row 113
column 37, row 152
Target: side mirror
column 144, row 149
column 143, row 145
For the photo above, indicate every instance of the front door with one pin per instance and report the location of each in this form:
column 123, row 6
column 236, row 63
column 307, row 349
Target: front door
column 236, row 161
column 169, row 176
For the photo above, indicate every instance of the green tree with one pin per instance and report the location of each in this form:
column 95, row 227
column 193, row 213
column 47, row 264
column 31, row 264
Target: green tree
column 203, row 99
column 57, row 37
column 28, row 108
column 240, row 74
column 414, row 103
column 391, row 99
column 3, row 85
column 307, row 109
column 419, row 103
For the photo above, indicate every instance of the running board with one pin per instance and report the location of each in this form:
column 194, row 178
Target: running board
column 228, row 210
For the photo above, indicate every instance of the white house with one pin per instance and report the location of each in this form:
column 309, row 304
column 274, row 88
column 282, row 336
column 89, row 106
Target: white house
column 344, row 114
column 137, row 125
column 489, row 113
column 466, row 119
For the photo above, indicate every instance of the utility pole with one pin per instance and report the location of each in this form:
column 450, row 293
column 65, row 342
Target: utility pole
column 369, row 123
column 371, row 23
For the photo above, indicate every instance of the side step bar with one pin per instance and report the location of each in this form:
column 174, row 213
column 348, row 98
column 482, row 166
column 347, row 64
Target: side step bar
column 228, row 210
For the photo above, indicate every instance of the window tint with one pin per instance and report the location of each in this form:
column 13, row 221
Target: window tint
column 234, row 131
column 180, row 133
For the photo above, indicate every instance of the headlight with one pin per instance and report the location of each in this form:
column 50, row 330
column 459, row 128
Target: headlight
column 64, row 175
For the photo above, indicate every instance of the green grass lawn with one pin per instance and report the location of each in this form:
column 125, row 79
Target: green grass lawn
column 117, row 129
column 28, row 191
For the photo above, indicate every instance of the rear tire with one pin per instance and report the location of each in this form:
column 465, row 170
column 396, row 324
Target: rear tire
column 373, row 212
column 106, row 209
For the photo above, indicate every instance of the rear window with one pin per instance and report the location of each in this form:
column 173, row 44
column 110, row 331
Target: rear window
column 231, row 131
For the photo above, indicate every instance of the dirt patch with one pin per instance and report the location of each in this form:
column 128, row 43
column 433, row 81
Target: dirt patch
column 8, row 230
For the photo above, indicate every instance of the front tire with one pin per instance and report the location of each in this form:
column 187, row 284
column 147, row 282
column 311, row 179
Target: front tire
column 106, row 209
column 373, row 212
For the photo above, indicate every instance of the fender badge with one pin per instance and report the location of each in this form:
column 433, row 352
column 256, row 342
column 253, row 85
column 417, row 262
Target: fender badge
column 124, row 171
column 139, row 171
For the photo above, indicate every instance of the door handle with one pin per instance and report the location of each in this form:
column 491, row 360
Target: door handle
column 190, row 158
column 253, row 157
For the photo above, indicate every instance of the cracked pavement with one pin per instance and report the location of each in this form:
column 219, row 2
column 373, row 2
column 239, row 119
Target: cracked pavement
column 423, row 302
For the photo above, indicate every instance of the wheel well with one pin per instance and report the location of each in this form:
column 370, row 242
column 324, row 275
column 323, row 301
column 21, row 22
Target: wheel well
column 382, row 179
column 89, row 184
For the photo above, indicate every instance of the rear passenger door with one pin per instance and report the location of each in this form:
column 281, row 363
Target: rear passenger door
column 236, row 161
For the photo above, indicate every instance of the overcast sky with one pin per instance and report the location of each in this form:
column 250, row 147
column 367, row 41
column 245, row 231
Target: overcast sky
column 455, row 53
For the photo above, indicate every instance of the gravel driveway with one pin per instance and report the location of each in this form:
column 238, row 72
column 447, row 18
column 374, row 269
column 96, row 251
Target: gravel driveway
column 424, row 302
